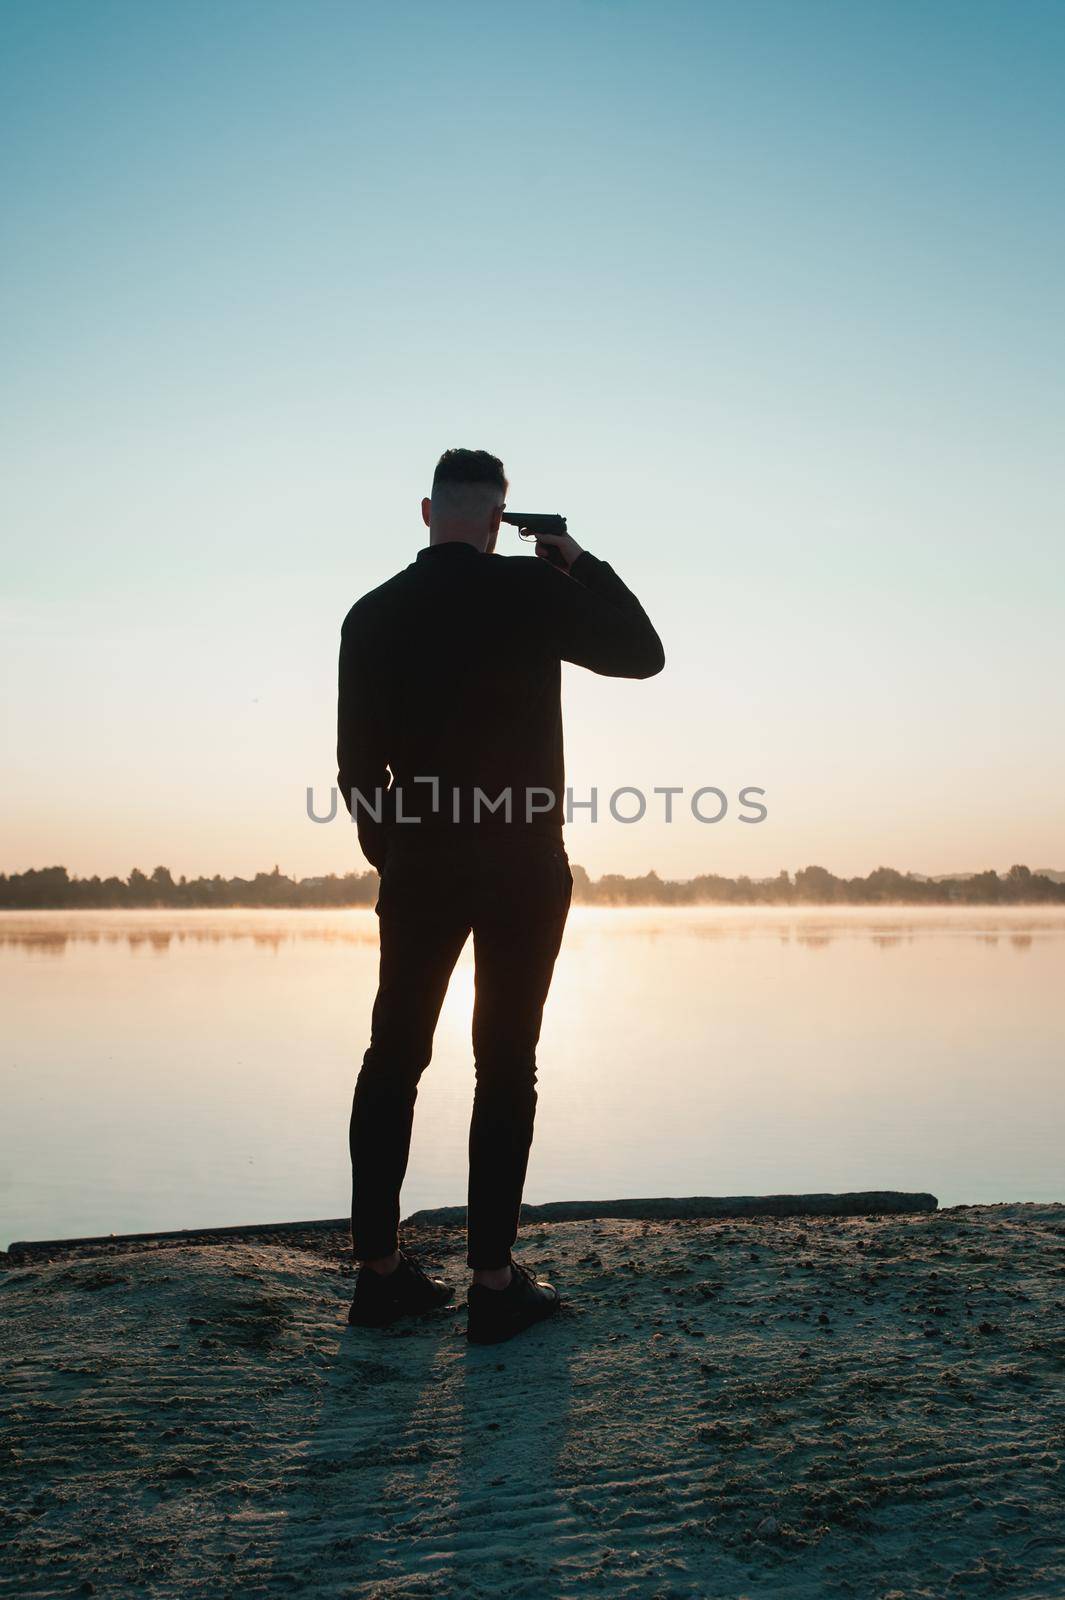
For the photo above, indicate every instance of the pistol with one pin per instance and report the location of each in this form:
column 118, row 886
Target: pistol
column 531, row 524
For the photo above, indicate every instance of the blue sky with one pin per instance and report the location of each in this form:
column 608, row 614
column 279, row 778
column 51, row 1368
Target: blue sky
column 766, row 297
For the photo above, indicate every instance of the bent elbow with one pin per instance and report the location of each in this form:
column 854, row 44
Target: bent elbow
column 645, row 662
column 654, row 660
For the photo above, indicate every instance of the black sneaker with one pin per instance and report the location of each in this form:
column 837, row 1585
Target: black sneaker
column 498, row 1314
column 407, row 1292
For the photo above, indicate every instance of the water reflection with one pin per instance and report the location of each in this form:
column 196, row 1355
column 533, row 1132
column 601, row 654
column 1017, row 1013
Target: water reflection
column 814, row 928
column 55, row 940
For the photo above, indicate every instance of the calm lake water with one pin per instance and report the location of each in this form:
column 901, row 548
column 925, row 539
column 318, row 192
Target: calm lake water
column 173, row 1070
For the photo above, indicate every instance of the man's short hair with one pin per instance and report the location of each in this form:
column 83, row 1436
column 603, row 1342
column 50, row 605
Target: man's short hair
column 470, row 466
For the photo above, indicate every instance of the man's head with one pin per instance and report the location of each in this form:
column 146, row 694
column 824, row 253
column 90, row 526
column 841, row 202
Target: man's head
column 469, row 492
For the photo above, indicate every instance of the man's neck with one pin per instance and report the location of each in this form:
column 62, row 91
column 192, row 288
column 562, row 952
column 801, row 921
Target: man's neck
column 475, row 540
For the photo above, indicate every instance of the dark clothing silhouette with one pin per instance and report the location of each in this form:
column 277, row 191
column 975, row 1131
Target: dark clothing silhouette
column 514, row 898
column 450, row 671
column 450, row 680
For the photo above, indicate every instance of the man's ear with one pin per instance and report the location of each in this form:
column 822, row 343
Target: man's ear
column 496, row 515
column 427, row 506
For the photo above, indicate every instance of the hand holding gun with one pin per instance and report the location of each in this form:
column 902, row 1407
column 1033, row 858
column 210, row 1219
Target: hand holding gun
column 553, row 542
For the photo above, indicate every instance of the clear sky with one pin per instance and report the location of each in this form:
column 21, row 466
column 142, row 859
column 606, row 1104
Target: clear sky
column 766, row 297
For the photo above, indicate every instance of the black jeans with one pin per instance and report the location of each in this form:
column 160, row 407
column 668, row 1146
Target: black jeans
column 513, row 893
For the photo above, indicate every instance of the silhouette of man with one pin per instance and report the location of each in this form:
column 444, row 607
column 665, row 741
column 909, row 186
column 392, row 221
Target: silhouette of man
column 450, row 682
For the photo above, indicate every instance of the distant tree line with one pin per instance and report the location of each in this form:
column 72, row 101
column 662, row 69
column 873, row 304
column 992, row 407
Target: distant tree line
column 54, row 889
column 818, row 886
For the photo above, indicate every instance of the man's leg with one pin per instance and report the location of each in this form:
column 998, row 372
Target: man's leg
column 422, row 934
column 517, row 930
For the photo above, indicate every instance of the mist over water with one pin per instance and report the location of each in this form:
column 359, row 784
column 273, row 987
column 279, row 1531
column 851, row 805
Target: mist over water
column 167, row 1070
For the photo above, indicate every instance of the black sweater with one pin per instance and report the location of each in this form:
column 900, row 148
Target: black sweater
column 450, row 671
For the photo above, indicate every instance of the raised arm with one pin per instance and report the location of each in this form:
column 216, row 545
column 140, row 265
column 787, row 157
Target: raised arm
column 361, row 762
column 598, row 623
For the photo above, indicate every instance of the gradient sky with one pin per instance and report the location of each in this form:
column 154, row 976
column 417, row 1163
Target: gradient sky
column 766, row 297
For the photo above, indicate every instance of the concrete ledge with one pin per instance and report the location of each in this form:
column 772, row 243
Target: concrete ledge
column 30, row 1249
column 864, row 1203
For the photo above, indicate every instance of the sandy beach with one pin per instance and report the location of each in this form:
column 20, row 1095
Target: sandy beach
column 809, row 1407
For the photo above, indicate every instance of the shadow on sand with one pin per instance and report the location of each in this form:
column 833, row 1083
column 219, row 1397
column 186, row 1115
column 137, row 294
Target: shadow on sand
column 429, row 1467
